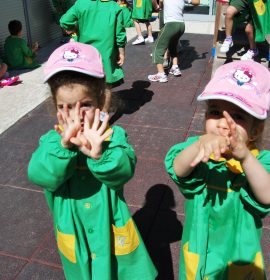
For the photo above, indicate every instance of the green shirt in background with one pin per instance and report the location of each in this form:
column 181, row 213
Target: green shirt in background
column 100, row 25
column 96, row 236
column 223, row 221
column 18, row 55
column 142, row 9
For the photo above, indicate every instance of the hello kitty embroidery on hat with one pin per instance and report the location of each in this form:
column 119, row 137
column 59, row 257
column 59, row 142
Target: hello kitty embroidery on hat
column 244, row 83
column 76, row 57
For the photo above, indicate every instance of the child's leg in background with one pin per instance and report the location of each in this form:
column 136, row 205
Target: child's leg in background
column 251, row 36
column 137, row 27
column 150, row 38
column 140, row 38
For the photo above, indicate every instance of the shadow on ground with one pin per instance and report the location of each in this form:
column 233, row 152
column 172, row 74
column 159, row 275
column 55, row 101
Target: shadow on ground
column 159, row 230
column 189, row 53
column 127, row 101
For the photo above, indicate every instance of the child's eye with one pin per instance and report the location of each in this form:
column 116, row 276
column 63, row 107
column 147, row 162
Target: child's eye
column 86, row 104
column 60, row 106
column 214, row 113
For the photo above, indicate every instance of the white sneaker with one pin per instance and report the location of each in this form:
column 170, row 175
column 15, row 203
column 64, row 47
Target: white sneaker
column 138, row 41
column 227, row 44
column 175, row 71
column 149, row 39
column 162, row 78
column 250, row 54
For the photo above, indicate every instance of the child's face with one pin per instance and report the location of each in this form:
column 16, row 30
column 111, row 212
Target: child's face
column 72, row 94
column 216, row 123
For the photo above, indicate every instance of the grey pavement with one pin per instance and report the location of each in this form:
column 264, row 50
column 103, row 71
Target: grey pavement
column 155, row 116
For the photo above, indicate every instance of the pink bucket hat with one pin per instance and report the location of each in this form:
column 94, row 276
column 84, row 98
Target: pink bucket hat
column 244, row 83
column 76, row 57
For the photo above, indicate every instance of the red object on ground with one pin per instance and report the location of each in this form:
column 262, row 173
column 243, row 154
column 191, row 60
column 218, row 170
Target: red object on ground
column 9, row 81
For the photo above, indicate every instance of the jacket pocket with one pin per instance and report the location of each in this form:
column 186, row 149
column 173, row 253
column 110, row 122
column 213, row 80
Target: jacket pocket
column 66, row 245
column 139, row 4
column 254, row 270
column 124, row 239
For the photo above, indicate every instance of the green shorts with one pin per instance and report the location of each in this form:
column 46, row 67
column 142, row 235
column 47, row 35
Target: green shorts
column 242, row 6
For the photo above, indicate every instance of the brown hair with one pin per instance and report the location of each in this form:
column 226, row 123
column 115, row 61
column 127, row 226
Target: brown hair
column 94, row 86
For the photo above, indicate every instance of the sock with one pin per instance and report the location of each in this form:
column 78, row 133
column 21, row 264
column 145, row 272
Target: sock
column 229, row 38
column 174, row 66
column 161, row 74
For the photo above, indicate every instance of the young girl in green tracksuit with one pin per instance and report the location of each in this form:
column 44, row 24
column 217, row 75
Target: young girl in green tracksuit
column 141, row 13
column 100, row 24
column 225, row 178
column 83, row 165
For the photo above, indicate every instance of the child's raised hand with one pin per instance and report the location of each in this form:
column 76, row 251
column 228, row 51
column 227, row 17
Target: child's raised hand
column 210, row 144
column 68, row 128
column 94, row 133
column 238, row 138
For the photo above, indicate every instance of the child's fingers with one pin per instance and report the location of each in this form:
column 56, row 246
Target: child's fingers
column 82, row 139
column 60, row 118
column 77, row 118
column 107, row 134
column 65, row 114
column 231, row 123
column 75, row 141
column 96, row 122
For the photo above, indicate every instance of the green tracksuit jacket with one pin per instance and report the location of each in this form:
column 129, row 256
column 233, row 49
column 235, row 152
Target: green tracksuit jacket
column 223, row 220
column 96, row 236
column 101, row 25
column 18, row 55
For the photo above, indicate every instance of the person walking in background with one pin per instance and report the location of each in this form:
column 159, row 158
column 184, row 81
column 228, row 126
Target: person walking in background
column 168, row 37
column 241, row 9
column 142, row 13
column 100, row 24
column 218, row 173
column 17, row 54
column 83, row 165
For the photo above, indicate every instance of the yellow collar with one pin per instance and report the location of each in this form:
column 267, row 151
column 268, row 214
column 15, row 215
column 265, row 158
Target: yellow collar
column 233, row 164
